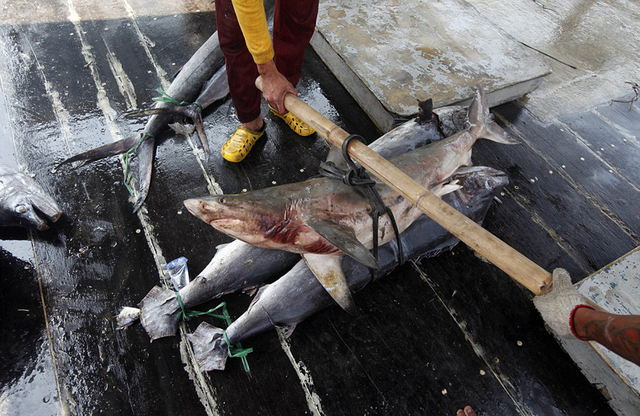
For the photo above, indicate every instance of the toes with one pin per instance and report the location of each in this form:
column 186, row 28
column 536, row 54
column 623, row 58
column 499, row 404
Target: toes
column 468, row 411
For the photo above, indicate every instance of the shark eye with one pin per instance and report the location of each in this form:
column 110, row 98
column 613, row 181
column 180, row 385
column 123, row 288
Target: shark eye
column 221, row 200
column 21, row 208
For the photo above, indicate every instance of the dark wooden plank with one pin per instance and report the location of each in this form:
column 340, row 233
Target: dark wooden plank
column 621, row 113
column 567, row 156
column 581, row 227
column 402, row 354
column 502, row 322
column 622, row 153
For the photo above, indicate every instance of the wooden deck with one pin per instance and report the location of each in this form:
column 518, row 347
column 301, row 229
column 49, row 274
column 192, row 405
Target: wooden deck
column 430, row 338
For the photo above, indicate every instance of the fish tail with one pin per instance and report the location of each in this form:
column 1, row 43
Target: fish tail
column 110, row 149
column 157, row 313
column 209, row 347
column 482, row 124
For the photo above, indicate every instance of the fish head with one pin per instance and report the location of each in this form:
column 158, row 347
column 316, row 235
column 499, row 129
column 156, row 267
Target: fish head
column 23, row 203
column 245, row 217
column 479, row 183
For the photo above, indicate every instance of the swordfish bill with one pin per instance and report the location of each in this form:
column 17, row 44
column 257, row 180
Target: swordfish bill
column 323, row 219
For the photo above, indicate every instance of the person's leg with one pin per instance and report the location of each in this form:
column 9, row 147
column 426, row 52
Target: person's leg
column 241, row 69
column 293, row 25
column 241, row 74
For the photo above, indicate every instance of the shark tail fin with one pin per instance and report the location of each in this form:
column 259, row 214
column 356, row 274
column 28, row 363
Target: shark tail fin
column 157, row 313
column 482, row 122
column 209, row 347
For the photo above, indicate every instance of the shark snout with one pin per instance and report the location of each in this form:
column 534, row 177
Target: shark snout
column 195, row 206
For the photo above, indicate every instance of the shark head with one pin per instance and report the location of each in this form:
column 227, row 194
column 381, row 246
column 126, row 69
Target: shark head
column 245, row 217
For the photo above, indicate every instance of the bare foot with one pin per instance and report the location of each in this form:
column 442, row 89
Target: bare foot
column 468, row 411
column 254, row 125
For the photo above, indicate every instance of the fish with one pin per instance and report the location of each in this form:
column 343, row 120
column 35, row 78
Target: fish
column 238, row 265
column 23, row 203
column 201, row 82
column 297, row 295
column 323, row 219
column 185, row 87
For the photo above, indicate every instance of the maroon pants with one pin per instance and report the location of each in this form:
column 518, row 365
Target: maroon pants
column 293, row 24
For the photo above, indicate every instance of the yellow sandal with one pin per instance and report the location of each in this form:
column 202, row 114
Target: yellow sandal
column 240, row 144
column 295, row 123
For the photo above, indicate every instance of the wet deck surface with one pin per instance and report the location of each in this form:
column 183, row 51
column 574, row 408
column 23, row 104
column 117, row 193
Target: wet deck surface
column 430, row 338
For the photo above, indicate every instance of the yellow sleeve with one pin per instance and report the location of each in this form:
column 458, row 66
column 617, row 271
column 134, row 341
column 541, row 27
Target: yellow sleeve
column 253, row 22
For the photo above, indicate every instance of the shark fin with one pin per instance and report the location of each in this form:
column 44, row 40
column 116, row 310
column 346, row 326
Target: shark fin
column 328, row 271
column 345, row 240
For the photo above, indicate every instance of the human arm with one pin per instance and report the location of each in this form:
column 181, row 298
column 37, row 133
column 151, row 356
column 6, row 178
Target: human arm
column 618, row 333
column 569, row 314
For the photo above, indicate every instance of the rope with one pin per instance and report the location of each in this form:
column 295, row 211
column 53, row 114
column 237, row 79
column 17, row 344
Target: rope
column 233, row 351
column 166, row 98
column 357, row 177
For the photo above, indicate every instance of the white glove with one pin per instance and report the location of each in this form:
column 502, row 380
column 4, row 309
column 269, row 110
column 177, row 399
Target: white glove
column 557, row 306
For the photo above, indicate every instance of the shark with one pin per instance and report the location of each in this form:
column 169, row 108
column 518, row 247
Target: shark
column 323, row 219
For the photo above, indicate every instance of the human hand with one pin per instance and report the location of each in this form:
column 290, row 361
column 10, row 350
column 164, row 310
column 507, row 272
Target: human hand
column 275, row 86
column 557, row 306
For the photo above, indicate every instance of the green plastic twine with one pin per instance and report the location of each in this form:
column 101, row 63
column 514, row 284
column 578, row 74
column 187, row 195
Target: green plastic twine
column 166, row 98
column 235, row 350
column 128, row 177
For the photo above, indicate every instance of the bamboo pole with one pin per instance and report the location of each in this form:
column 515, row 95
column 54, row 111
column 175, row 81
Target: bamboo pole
column 500, row 254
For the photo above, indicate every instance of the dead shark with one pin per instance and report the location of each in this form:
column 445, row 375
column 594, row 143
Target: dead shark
column 238, row 265
column 323, row 219
column 297, row 295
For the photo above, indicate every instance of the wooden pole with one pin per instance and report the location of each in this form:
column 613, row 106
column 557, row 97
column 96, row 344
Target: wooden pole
column 500, row 254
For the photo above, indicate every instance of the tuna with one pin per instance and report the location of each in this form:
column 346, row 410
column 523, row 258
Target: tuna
column 298, row 295
column 323, row 219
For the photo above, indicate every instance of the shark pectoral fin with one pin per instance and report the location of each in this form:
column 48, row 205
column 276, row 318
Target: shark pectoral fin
column 328, row 271
column 345, row 239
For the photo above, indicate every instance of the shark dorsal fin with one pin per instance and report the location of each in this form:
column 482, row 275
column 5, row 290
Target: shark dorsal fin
column 328, row 270
column 345, row 239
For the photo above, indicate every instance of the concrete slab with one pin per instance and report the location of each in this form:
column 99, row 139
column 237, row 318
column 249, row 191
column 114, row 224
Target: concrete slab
column 592, row 47
column 616, row 288
column 388, row 55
